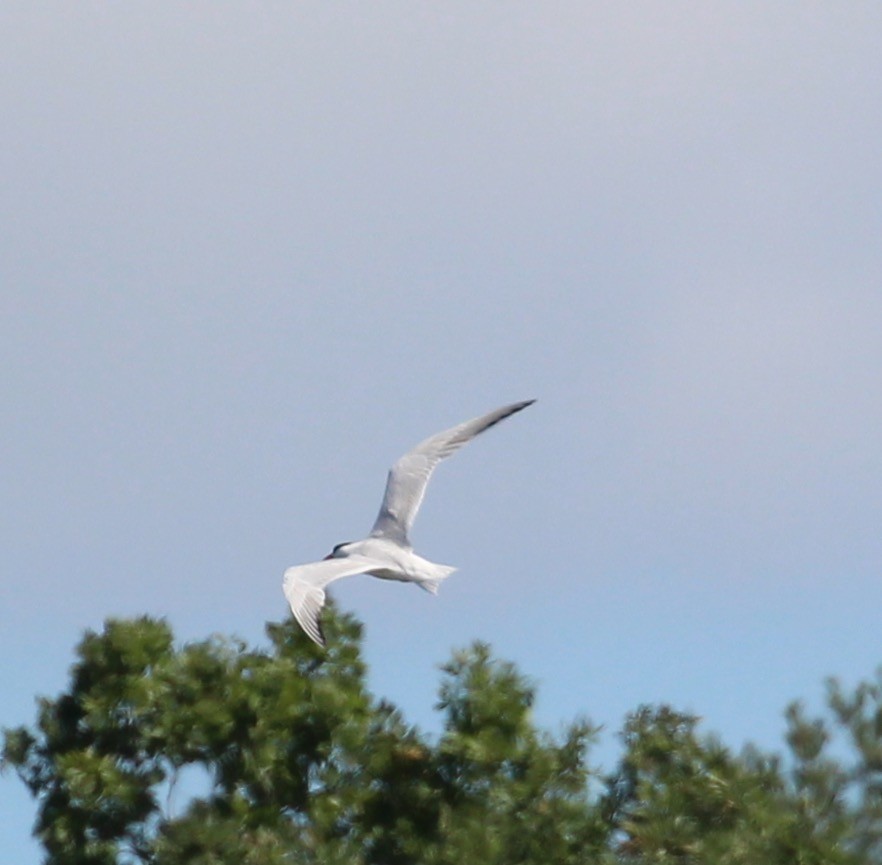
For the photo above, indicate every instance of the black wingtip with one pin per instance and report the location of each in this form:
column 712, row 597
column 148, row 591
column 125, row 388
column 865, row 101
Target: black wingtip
column 509, row 410
column 506, row 412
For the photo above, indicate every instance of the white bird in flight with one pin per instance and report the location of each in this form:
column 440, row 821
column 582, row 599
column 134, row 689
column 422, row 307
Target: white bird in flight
column 386, row 553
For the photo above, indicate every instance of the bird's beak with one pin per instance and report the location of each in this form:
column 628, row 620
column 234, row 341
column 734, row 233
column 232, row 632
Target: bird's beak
column 328, row 556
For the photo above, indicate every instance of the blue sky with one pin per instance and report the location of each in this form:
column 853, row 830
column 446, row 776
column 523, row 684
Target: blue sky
column 251, row 253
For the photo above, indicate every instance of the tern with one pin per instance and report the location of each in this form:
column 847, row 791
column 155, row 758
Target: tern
column 386, row 552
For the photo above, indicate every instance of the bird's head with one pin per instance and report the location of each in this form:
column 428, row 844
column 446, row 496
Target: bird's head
column 340, row 551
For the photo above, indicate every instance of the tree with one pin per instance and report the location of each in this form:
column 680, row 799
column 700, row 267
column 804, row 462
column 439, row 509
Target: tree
column 681, row 798
column 302, row 764
column 513, row 794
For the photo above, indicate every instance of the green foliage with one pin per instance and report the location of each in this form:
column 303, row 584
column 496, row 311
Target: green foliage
column 678, row 797
column 302, row 764
column 513, row 794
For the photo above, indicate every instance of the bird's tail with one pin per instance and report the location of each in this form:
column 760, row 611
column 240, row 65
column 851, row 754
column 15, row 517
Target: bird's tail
column 442, row 572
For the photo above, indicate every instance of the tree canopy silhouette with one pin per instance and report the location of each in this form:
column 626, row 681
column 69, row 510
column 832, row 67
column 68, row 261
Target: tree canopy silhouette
column 302, row 764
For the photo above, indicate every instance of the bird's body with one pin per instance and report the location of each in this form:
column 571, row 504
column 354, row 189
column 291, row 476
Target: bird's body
column 386, row 553
column 395, row 562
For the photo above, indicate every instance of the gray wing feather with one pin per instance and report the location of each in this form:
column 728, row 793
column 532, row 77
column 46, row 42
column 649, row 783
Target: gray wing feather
column 409, row 477
column 304, row 587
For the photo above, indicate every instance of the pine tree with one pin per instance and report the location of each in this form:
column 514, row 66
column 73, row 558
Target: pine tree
column 300, row 763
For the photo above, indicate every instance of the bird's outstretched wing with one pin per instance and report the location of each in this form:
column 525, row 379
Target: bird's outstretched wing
column 304, row 587
column 408, row 478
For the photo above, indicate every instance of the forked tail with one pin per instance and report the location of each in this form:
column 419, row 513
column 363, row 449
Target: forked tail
column 442, row 572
